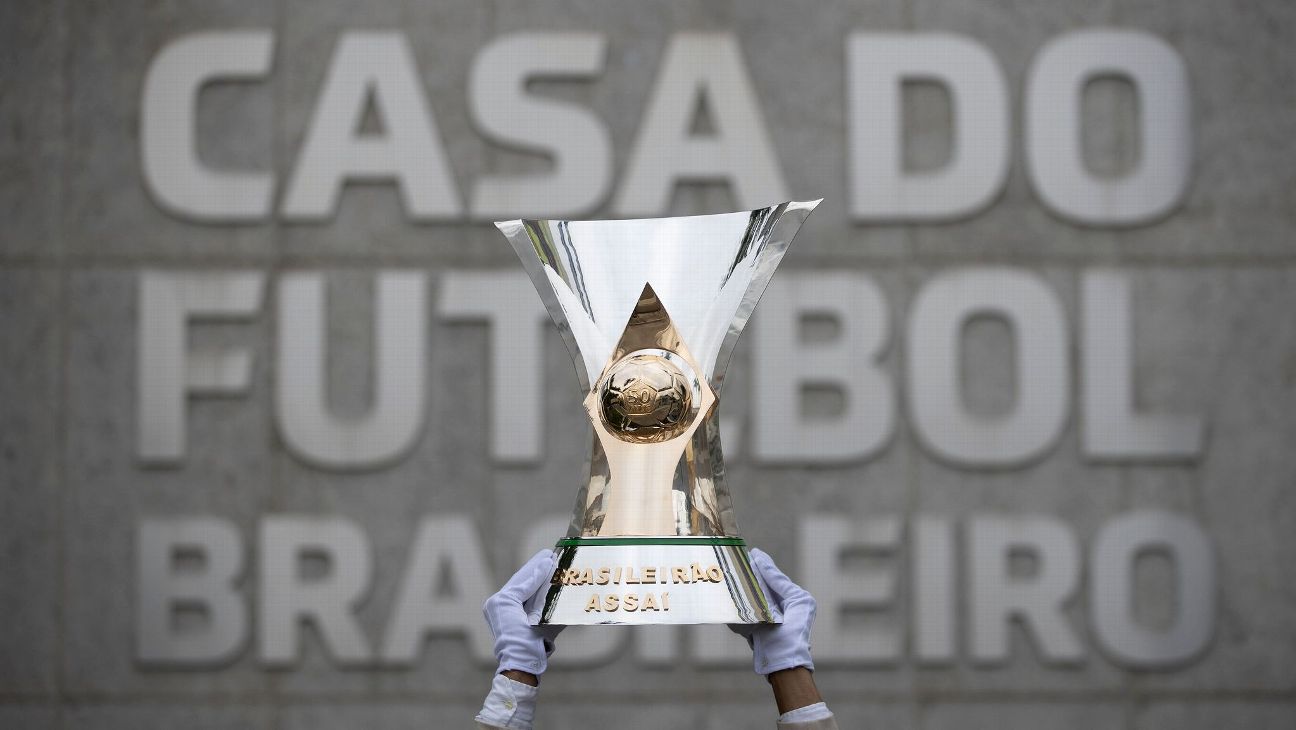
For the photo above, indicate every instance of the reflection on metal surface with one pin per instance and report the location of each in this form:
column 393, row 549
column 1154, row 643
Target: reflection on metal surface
column 650, row 425
column 646, row 398
column 650, row 311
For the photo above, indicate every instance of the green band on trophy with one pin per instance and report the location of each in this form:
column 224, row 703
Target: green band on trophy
column 591, row 541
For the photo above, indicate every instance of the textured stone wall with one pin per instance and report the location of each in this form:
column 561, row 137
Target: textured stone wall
column 1214, row 289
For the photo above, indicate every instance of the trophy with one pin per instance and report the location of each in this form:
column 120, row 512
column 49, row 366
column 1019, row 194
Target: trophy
column 650, row 310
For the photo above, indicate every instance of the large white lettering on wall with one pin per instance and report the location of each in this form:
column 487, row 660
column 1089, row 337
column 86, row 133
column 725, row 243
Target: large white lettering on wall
column 395, row 417
column 289, row 598
column 163, row 590
column 1052, row 116
column 1037, row 601
column 846, row 360
column 443, row 545
column 375, row 68
column 877, row 66
column 577, row 139
column 709, row 66
column 823, row 540
column 506, row 301
column 934, row 588
column 378, row 69
column 936, row 323
column 1116, row 549
column 848, row 363
column 177, row 179
column 1112, row 427
column 445, row 576
column 168, row 372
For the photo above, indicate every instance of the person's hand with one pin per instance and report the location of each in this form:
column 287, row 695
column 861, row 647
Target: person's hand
column 520, row 646
column 776, row 647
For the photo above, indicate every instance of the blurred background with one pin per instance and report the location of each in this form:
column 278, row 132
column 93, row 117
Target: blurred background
column 280, row 408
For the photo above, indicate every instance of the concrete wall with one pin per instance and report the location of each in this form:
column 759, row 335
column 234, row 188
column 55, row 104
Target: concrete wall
column 1214, row 283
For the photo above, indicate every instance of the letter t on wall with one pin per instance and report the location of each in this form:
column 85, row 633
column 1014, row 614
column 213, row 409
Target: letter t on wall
column 508, row 302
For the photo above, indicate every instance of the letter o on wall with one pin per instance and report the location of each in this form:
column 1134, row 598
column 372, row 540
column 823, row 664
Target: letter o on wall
column 1054, row 159
column 1111, row 598
column 940, row 417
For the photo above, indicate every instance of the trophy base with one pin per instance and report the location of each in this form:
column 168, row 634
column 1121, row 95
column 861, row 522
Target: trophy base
column 654, row 580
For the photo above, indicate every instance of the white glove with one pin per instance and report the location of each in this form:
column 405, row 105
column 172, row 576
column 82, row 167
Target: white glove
column 518, row 644
column 780, row 646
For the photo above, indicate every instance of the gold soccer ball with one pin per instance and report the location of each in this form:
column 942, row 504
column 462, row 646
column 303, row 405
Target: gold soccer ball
column 645, row 398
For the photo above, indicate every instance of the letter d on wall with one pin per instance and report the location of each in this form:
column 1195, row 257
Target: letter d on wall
column 877, row 66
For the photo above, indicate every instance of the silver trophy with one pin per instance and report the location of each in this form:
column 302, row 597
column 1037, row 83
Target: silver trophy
column 650, row 310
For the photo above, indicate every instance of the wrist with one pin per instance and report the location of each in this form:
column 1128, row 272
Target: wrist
column 793, row 688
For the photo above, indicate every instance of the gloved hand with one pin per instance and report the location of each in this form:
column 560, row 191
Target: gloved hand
column 786, row 645
column 518, row 644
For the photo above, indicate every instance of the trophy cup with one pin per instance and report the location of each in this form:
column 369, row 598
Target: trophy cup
column 650, row 310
